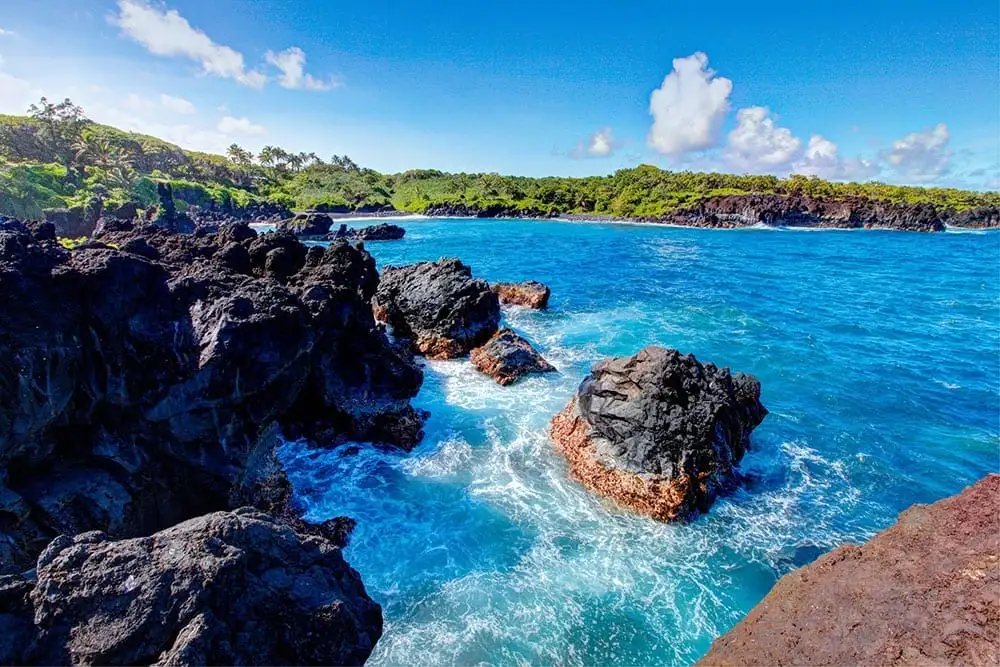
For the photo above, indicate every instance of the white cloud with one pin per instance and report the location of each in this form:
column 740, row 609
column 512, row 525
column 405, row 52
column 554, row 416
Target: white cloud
column 292, row 63
column 602, row 143
column 242, row 126
column 167, row 33
column 16, row 94
column 689, row 107
column 758, row 144
column 822, row 158
column 178, row 105
column 7, row 33
column 138, row 103
column 921, row 156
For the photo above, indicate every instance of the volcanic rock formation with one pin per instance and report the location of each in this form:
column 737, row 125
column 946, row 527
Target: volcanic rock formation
column 659, row 432
column 924, row 592
column 506, row 357
column 438, row 306
column 224, row 588
column 530, row 293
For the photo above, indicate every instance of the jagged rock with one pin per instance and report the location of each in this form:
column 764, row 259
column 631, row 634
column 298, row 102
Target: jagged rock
column 167, row 215
column 149, row 383
column 439, row 306
column 530, row 293
column 72, row 223
column 659, row 432
column 925, row 591
column 506, row 357
column 383, row 231
column 307, row 224
column 224, row 588
column 127, row 211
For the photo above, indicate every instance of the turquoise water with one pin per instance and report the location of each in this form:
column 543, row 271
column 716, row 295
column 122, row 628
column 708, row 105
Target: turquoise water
column 878, row 355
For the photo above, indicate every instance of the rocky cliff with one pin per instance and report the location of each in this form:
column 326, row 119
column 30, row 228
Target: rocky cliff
column 924, row 592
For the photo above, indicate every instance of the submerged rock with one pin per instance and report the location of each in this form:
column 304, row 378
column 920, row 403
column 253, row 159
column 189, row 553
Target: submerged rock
column 925, row 591
column 530, row 293
column 224, row 588
column 438, row 306
column 506, row 357
column 659, row 432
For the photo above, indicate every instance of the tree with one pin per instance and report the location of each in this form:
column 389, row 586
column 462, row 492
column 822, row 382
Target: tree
column 239, row 156
column 60, row 127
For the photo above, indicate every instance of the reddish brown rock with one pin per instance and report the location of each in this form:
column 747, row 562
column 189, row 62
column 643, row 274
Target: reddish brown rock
column 924, row 592
column 659, row 432
column 506, row 357
column 531, row 294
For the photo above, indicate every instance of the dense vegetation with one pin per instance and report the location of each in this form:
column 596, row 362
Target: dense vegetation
column 56, row 157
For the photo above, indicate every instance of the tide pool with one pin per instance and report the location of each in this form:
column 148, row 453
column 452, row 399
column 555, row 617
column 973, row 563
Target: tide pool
column 879, row 356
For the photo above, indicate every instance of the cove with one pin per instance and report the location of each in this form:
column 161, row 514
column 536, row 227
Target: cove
column 877, row 352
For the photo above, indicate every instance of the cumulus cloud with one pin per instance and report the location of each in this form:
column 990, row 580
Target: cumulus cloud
column 292, row 63
column 822, row 158
column 689, row 107
column 167, row 33
column 758, row 144
column 602, row 143
column 230, row 126
column 921, row 156
column 178, row 105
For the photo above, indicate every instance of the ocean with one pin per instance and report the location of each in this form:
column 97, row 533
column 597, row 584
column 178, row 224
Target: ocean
column 879, row 356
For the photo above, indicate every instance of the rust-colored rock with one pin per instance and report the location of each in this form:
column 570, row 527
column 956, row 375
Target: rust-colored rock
column 659, row 432
column 531, row 294
column 924, row 592
column 506, row 357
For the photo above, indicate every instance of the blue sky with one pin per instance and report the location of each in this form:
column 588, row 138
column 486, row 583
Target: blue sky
column 893, row 91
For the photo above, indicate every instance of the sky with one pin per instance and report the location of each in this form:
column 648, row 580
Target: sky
column 899, row 92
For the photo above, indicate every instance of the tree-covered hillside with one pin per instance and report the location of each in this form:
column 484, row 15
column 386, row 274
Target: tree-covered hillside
column 56, row 157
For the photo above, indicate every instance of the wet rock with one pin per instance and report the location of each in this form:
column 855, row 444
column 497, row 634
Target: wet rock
column 925, row 591
column 224, row 588
column 531, row 293
column 152, row 372
column 438, row 306
column 307, row 224
column 659, row 432
column 506, row 357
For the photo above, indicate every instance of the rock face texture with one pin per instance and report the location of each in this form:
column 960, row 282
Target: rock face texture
column 144, row 385
column 924, row 592
column 506, row 357
column 224, row 588
column 383, row 231
column 307, row 224
column 658, row 432
column 531, row 293
column 438, row 306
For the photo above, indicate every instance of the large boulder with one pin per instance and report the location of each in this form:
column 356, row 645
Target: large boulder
column 383, row 231
column 224, row 588
column 531, row 293
column 438, row 306
column 150, row 374
column 659, row 432
column 507, row 356
column 72, row 223
column 926, row 591
column 307, row 224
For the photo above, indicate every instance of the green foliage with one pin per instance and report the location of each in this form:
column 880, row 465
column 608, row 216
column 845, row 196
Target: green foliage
column 70, row 244
column 56, row 157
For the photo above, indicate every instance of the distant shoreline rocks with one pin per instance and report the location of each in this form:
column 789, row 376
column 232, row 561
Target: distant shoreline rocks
column 659, row 432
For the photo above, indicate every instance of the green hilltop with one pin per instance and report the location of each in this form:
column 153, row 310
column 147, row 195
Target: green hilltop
column 55, row 157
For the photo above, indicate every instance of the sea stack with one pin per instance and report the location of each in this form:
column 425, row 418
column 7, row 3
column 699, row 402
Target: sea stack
column 659, row 432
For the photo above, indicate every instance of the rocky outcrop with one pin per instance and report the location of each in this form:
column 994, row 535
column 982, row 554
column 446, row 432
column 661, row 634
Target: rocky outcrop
column 148, row 373
column 982, row 217
column 438, row 306
column 75, row 222
column 659, row 432
column 224, row 588
column 530, row 293
column 167, row 216
column 313, row 225
column 491, row 210
column 506, row 357
column 924, row 592
column 383, row 231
